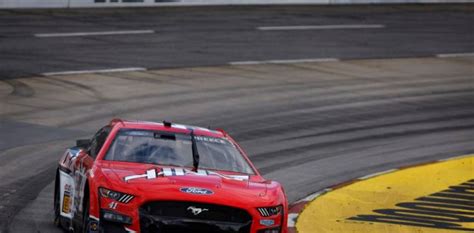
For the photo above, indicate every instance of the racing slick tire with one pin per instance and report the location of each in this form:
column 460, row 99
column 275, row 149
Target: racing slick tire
column 57, row 215
column 85, row 215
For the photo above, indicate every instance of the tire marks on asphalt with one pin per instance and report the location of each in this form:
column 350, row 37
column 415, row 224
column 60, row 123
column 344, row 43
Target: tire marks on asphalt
column 20, row 88
column 307, row 125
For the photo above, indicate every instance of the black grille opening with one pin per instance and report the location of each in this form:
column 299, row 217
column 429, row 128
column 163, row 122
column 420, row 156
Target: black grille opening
column 107, row 226
column 170, row 217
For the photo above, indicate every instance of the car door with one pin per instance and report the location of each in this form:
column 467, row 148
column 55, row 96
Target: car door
column 83, row 164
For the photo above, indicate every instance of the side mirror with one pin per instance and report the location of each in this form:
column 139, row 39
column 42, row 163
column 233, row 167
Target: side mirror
column 83, row 143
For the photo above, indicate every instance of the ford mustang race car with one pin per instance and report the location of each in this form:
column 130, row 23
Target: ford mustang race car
column 136, row 176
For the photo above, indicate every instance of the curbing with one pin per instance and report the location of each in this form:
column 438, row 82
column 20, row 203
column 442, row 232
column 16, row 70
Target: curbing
column 297, row 207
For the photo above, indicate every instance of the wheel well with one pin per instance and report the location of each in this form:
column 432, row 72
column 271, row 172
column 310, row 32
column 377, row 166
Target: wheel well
column 85, row 201
column 86, row 192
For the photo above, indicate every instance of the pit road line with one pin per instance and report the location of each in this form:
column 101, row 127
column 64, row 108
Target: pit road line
column 103, row 33
column 289, row 61
column 130, row 69
column 237, row 63
column 376, row 174
column 320, row 27
column 448, row 55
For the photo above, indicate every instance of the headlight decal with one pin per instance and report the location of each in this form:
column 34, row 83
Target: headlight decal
column 269, row 211
column 118, row 196
column 125, row 198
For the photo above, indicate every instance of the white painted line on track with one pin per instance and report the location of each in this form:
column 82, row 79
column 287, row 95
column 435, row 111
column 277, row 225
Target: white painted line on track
column 448, row 55
column 454, row 158
column 104, row 33
column 94, row 71
column 292, row 219
column 290, row 61
column 320, row 27
column 376, row 174
column 314, row 195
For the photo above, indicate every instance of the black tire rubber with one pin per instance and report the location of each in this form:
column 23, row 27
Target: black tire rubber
column 85, row 215
column 57, row 205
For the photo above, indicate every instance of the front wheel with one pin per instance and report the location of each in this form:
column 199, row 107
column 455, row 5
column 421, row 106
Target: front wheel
column 85, row 217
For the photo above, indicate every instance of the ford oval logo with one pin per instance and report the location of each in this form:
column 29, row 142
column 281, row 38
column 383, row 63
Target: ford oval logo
column 197, row 191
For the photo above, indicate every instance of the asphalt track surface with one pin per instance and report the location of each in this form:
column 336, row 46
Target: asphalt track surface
column 307, row 125
column 199, row 36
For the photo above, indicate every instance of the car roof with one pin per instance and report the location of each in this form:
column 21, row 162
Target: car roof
column 166, row 126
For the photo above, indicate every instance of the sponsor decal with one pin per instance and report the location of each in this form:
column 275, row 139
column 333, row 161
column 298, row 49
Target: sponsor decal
column 447, row 209
column 267, row 222
column 93, row 226
column 153, row 174
column 67, row 199
column 212, row 140
column 113, row 205
column 195, row 210
column 80, row 179
column 196, row 191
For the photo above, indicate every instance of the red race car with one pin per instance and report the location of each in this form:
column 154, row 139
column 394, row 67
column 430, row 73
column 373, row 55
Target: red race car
column 136, row 176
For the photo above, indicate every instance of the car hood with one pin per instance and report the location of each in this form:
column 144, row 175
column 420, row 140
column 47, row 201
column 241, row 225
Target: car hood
column 178, row 183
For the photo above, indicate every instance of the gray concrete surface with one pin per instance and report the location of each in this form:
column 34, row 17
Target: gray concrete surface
column 196, row 36
column 307, row 125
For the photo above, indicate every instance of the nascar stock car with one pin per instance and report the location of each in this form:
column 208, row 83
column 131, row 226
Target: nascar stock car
column 136, row 176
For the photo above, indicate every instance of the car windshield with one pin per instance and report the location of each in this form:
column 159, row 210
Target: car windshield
column 164, row 148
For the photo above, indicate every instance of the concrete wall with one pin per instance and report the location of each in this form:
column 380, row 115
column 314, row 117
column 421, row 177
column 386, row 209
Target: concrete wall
column 33, row 3
column 125, row 3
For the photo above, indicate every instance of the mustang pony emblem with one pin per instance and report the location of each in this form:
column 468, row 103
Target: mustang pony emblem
column 195, row 210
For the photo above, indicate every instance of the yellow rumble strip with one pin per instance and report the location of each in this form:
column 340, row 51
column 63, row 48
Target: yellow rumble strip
column 437, row 198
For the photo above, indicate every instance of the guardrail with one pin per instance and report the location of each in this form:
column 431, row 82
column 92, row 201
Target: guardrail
column 143, row 3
